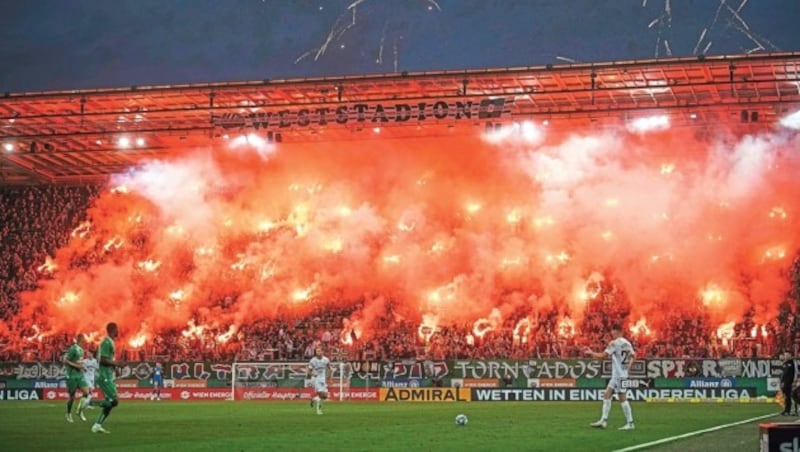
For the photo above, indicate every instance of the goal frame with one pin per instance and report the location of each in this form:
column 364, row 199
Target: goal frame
column 340, row 366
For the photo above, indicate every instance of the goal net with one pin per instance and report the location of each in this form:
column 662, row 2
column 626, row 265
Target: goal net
column 285, row 381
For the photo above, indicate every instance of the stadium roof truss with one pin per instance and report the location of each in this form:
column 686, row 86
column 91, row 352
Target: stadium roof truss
column 85, row 135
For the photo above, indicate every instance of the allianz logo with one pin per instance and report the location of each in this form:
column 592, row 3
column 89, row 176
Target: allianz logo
column 721, row 383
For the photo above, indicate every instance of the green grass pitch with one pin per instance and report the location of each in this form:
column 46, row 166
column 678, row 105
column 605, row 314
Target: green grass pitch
column 360, row 426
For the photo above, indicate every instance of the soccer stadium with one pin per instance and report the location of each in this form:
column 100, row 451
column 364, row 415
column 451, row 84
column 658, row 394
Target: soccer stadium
column 432, row 260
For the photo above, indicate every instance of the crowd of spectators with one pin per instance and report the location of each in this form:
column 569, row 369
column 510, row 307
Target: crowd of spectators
column 36, row 221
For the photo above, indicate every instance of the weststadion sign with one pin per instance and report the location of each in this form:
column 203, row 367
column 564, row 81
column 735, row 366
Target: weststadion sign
column 375, row 114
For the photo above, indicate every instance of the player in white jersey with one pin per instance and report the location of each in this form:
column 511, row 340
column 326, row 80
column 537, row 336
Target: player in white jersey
column 317, row 371
column 621, row 353
column 90, row 366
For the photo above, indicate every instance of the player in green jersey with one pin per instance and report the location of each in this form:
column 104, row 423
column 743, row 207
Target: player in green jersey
column 105, row 377
column 75, row 378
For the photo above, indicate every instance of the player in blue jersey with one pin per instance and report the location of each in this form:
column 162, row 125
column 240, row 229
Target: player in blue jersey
column 158, row 382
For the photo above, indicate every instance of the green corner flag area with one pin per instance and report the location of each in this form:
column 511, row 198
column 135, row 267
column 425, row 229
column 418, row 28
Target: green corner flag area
column 362, row 426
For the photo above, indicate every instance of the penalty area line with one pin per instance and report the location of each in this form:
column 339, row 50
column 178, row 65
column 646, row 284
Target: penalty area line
column 694, row 433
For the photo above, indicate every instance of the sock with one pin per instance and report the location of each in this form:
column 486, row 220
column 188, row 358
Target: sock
column 626, row 410
column 606, row 409
column 104, row 415
column 69, row 406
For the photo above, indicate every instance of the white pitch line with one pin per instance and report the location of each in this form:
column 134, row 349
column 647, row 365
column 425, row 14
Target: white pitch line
column 694, row 433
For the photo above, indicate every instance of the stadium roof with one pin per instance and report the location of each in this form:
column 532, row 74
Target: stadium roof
column 85, row 135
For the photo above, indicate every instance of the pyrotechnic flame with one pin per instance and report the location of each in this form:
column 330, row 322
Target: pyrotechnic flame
column 192, row 329
column 607, row 235
column 726, row 331
column 406, row 227
column 120, row 189
column 481, row 327
column 774, row 253
column 560, row 258
column 82, row 230
column 511, row 262
column 148, row 265
column 174, row 230
column 241, row 263
column 265, row 226
column 68, row 298
column 299, row 219
column 778, row 213
column 204, row 250
column 267, row 271
column 566, row 328
column 641, row 328
column 114, row 243
column 177, row 295
column 712, row 295
column 667, row 168
column 302, row 294
column 543, row 221
column 37, row 334
column 514, row 216
column 392, row 259
column 438, row 247
column 138, row 340
column 428, row 327
column 333, row 245
column 522, row 330
column 48, row 267
column 351, row 331
column 472, row 207
column 225, row 337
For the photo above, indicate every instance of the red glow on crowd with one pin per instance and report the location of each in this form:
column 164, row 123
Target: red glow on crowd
column 452, row 230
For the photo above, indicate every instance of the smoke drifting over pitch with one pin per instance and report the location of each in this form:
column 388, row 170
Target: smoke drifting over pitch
column 452, row 229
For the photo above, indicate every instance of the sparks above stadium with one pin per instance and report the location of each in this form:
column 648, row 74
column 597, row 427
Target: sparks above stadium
column 453, row 197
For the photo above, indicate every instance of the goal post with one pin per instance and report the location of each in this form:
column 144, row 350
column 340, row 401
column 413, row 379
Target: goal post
column 284, row 380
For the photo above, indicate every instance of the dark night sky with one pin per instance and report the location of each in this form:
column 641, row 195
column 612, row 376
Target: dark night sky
column 67, row 44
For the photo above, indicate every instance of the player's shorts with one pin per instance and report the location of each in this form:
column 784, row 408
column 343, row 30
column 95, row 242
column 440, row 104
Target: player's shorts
column 76, row 382
column 108, row 387
column 615, row 384
column 320, row 385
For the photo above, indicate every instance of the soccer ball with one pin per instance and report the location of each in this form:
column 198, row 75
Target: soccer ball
column 461, row 419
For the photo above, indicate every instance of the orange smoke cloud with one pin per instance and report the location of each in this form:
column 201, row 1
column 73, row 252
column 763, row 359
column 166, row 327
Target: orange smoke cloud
column 456, row 229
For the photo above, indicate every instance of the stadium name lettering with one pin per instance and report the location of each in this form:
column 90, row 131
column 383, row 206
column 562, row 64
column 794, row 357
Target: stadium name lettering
column 568, row 395
column 424, row 395
column 375, row 114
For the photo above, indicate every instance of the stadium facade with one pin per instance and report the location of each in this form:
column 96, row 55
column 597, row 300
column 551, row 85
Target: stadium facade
column 85, row 135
